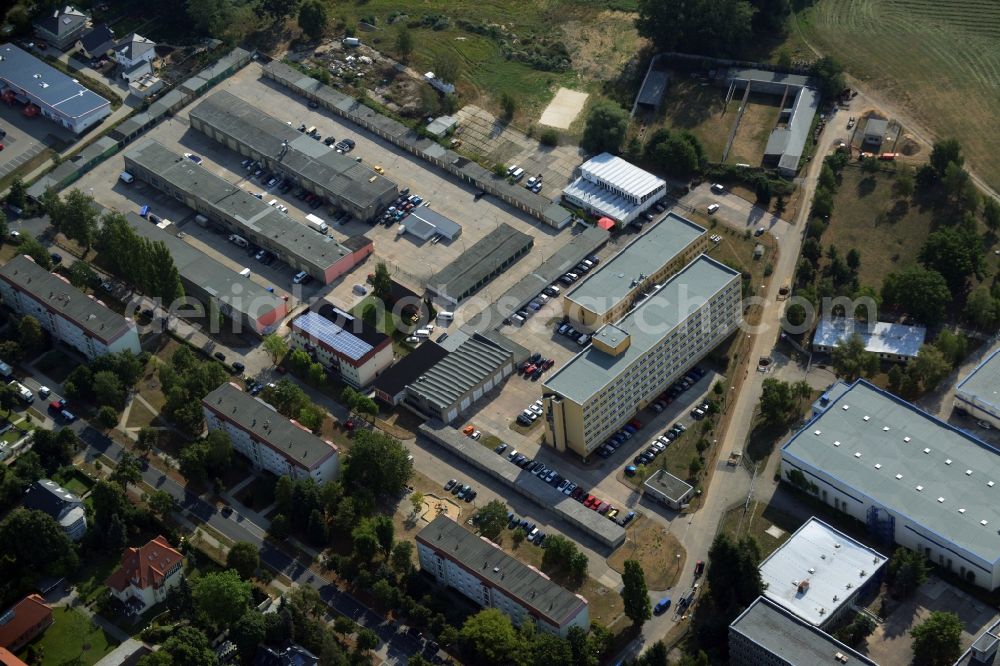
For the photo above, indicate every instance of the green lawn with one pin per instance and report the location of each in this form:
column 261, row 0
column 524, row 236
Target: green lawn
column 72, row 638
column 74, row 481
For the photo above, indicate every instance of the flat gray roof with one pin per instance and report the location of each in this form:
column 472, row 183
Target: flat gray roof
column 233, row 202
column 215, row 278
column 614, row 280
column 879, row 337
column 829, row 560
column 909, row 462
column 876, row 125
column 982, row 386
column 472, row 363
column 473, row 265
column 309, row 159
column 58, row 295
column 484, row 559
column 265, row 424
column 592, row 369
column 441, row 224
column 668, row 484
column 46, row 84
column 790, row 638
column 654, row 87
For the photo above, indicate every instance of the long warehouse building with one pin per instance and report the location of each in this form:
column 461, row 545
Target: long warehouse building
column 347, row 184
column 479, row 264
column 631, row 362
column 235, row 209
column 907, row 475
column 244, row 301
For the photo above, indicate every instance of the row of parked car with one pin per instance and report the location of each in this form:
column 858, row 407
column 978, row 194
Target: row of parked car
column 619, row 438
column 565, row 328
column 535, row 366
column 683, row 384
column 283, row 185
column 656, row 447
column 460, row 490
column 579, row 270
column 530, row 414
column 534, row 535
column 400, row 208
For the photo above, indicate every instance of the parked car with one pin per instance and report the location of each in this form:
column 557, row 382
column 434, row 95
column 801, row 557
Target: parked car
column 661, row 606
column 451, row 484
column 501, row 447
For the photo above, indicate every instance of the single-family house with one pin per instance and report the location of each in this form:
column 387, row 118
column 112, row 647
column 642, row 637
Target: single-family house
column 22, row 622
column 61, row 27
column 135, row 54
column 146, row 575
column 97, row 41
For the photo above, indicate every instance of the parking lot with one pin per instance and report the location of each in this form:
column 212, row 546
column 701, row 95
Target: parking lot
column 411, row 261
column 26, row 137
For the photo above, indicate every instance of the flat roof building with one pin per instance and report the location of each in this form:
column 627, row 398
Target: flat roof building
column 875, row 131
column 346, row 345
column 610, row 290
column 491, row 578
column 800, row 98
column 631, row 362
column 979, row 392
column 819, row 573
column 451, row 385
column 614, row 188
column 892, row 342
column 56, row 96
column 907, row 475
column 767, row 635
column 983, row 651
column 480, row 263
column 215, row 285
column 69, row 315
column 425, row 223
column 347, row 184
column 271, row 441
column 241, row 213
column 390, row 386
column 668, row 490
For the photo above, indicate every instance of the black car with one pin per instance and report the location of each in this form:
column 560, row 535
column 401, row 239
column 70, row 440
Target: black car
column 313, row 104
column 220, row 356
column 329, row 141
column 238, row 367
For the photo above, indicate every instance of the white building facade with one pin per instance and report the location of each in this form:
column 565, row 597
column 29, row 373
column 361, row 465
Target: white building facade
column 609, row 186
column 357, row 356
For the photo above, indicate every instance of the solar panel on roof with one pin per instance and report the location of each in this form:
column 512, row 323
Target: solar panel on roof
column 322, row 329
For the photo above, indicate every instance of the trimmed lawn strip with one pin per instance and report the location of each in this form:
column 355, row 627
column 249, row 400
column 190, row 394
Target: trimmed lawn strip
column 72, row 638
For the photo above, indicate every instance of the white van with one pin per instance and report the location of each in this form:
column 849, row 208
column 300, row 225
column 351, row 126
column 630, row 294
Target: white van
column 446, row 316
column 126, row 177
column 422, row 333
column 517, row 174
column 239, row 240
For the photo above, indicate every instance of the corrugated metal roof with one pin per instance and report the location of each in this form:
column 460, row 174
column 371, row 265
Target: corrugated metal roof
column 621, row 174
column 879, row 337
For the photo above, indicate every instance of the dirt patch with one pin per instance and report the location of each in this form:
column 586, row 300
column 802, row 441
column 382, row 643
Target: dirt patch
column 658, row 552
column 700, row 108
column 759, row 117
column 139, row 416
column 564, row 108
column 602, row 45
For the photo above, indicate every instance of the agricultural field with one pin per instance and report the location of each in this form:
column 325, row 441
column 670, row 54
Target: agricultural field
column 528, row 50
column 938, row 60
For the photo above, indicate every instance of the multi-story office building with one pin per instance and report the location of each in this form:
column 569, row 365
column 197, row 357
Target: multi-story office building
column 349, row 185
column 45, row 90
column 267, row 438
column 611, row 289
column 907, row 475
column 484, row 573
column 68, row 314
column 631, row 362
column 238, row 211
column 614, row 188
column 347, row 345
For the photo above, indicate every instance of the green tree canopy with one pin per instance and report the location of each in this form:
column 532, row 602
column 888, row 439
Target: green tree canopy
column 492, row 519
column 635, row 594
column 705, row 27
column 607, row 124
column 382, row 282
column 562, row 559
column 48, row 551
column 488, row 637
column 377, row 464
column 907, row 571
column 851, row 360
column 221, row 598
column 920, row 292
column 243, row 558
column 937, row 640
column 314, row 17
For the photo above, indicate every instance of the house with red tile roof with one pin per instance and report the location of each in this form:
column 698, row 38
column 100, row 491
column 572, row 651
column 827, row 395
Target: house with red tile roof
column 25, row 620
column 146, row 575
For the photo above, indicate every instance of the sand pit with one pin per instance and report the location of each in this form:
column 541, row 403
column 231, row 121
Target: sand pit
column 564, row 108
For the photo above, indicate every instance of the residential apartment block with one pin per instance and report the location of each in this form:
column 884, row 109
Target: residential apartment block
column 484, row 573
column 611, row 289
column 68, row 314
column 271, row 441
column 343, row 343
column 614, row 188
column 146, row 574
column 628, row 364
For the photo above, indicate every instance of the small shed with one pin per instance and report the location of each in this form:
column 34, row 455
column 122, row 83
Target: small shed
column 442, row 125
column 668, row 490
column 875, row 130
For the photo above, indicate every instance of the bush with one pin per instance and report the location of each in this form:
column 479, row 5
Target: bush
column 549, row 137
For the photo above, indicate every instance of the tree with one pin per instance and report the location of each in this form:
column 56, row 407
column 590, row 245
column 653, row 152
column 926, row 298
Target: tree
column 317, row 530
column 981, row 308
column 733, row 576
column 869, row 166
column 945, row 152
column 365, row 543
column 18, row 194
column 417, row 500
column 562, row 558
column 248, row 632
column 30, row 334
column 920, row 292
column 446, row 66
column 930, row 366
column 34, row 249
column 518, row 536
column 953, row 345
column 162, row 503
column 384, row 531
column 401, row 559
column 991, row 214
column 366, row 640
column 907, row 571
column 146, row 439
column 382, row 282
column 905, row 185
column 860, row 628
column 851, row 360
column 634, row 593
column 48, row 552
column 314, row 18
column 678, row 154
column 221, row 598
column 277, row 10
column 777, row 403
column 186, row 647
column 127, row 472
column 491, row 519
column 488, row 637
column 79, row 218
column 377, row 464
column 956, row 254
column 244, row 558
column 822, row 205
column 404, row 43
column 82, row 275
column 830, row 74
column 283, row 490
column 607, row 124
column 937, row 640
column 508, row 103
column 276, row 347
column 705, row 27
column 108, row 389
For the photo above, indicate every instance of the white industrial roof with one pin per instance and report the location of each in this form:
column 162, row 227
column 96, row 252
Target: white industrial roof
column 813, row 573
column 879, row 337
column 982, row 386
column 623, row 175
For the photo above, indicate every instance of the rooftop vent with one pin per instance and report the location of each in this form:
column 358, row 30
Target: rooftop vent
column 968, row 472
column 846, row 407
column 919, row 488
column 878, row 466
column 927, row 450
column 818, row 432
column 836, row 443
column 899, row 476
column 867, row 418
column 885, row 428
column 906, row 439
column 946, row 462
column 990, row 484
column 961, row 510
column 857, row 454
column 940, row 500
column 984, row 523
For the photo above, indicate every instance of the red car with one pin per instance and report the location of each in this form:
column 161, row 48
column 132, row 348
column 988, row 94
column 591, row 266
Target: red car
column 530, row 369
column 548, row 364
column 699, row 567
column 635, row 423
column 57, row 405
column 590, row 501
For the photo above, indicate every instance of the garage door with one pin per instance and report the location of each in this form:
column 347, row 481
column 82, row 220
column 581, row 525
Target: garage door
column 464, row 404
column 477, row 393
column 487, row 386
column 451, row 416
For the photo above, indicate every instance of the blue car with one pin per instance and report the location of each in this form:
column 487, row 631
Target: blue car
column 630, row 470
column 661, row 606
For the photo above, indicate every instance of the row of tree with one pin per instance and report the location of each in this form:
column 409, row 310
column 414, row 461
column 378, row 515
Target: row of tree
column 145, row 265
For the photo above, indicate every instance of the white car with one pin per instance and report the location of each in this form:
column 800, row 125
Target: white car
column 412, row 339
column 476, row 434
column 712, row 208
column 44, row 391
column 536, row 409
